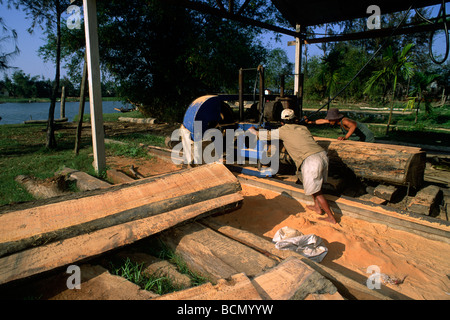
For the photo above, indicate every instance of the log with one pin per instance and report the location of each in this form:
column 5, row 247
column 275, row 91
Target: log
column 393, row 164
column 85, row 182
column 239, row 287
column 63, row 219
column 426, row 200
column 349, row 288
column 213, row 255
column 118, row 177
column 98, row 284
column 68, row 251
column 80, row 218
column 42, row 189
column 384, row 192
column 292, row 279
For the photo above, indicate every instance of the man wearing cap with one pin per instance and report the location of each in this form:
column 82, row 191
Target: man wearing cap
column 348, row 126
column 310, row 159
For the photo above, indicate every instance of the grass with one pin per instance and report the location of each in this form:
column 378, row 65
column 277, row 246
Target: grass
column 157, row 283
column 430, row 129
column 134, row 273
column 23, row 152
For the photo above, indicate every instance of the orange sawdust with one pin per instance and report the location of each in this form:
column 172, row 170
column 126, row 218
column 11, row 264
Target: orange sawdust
column 353, row 245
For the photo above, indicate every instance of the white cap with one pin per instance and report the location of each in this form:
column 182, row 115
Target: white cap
column 287, row 114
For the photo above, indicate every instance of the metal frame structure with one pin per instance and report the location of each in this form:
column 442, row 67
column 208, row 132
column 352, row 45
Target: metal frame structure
column 300, row 13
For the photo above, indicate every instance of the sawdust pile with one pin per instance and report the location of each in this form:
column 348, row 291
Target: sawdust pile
column 412, row 266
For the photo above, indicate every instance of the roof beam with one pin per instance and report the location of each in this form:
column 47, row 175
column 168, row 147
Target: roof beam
column 380, row 33
column 232, row 16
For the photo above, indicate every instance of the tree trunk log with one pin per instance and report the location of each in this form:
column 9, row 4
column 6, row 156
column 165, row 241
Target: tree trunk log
column 66, row 217
column 393, row 164
column 57, row 254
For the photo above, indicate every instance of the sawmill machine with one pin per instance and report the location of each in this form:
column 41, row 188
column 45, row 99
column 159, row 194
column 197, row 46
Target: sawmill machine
column 259, row 110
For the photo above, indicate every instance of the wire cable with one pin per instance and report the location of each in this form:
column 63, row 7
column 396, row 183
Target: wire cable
column 363, row 67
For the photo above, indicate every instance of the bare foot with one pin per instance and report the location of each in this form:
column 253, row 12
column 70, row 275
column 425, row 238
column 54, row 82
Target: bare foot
column 328, row 219
column 315, row 209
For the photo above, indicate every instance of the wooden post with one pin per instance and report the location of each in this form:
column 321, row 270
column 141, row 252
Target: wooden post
column 95, row 95
column 298, row 77
column 298, row 62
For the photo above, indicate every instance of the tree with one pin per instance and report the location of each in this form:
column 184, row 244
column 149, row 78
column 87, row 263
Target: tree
column 165, row 56
column 395, row 64
column 47, row 14
column 420, row 82
column 277, row 64
column 7, row 37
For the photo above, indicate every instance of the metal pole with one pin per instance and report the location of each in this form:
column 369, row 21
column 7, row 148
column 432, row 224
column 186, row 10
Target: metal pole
column 261, row 92
column 241, row 95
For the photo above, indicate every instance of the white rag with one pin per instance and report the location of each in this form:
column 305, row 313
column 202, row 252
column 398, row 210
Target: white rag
column 310, row 246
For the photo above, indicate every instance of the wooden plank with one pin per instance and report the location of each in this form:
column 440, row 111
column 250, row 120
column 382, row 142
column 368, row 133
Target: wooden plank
column 239, row 287
column 95, row 94
column 385, row 192
column 348, row 287
column 426, row 200
column 58, row 220
column 292, row 279
column 213, row 255
column 425, row 226
column 56, row 254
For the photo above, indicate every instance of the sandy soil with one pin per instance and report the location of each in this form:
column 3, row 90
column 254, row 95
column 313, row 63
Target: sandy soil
column 354, row 245
column 423, row 265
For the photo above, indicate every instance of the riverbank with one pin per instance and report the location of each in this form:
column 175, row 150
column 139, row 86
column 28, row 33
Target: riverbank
column 32, row 100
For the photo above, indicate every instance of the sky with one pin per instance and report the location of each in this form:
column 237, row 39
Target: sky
column 32, row 64
column 29, row 61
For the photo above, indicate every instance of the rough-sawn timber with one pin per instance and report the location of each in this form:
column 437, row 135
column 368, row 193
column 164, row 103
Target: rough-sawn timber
column 39, row 238
column 394, row 164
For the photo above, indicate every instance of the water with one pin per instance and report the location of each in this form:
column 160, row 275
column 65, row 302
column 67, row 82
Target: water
column 14, row 113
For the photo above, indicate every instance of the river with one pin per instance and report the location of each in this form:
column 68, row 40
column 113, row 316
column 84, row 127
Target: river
column 14, row 113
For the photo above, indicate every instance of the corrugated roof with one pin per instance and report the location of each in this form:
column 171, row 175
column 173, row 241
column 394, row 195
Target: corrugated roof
column 314, row 12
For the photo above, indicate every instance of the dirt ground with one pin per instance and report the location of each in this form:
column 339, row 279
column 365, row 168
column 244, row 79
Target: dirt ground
column 421, row 265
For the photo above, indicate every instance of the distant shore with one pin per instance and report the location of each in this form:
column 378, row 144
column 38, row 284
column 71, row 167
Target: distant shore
column 32, row 100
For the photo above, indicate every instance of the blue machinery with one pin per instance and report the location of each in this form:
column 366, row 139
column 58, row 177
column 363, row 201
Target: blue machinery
column 213, row 111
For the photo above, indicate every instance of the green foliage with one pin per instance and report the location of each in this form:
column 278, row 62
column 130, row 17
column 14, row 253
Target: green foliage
column 8, row 39
column 277, row 63
column 21, row 147
column 134, row 273
column 127, row 150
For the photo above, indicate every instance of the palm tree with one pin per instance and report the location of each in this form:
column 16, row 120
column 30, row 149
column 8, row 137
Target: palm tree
column 395, row 64
column 420, row 82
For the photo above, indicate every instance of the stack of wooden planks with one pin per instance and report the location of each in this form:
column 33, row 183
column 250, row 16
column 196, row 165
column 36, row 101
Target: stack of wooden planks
column 51, row 233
